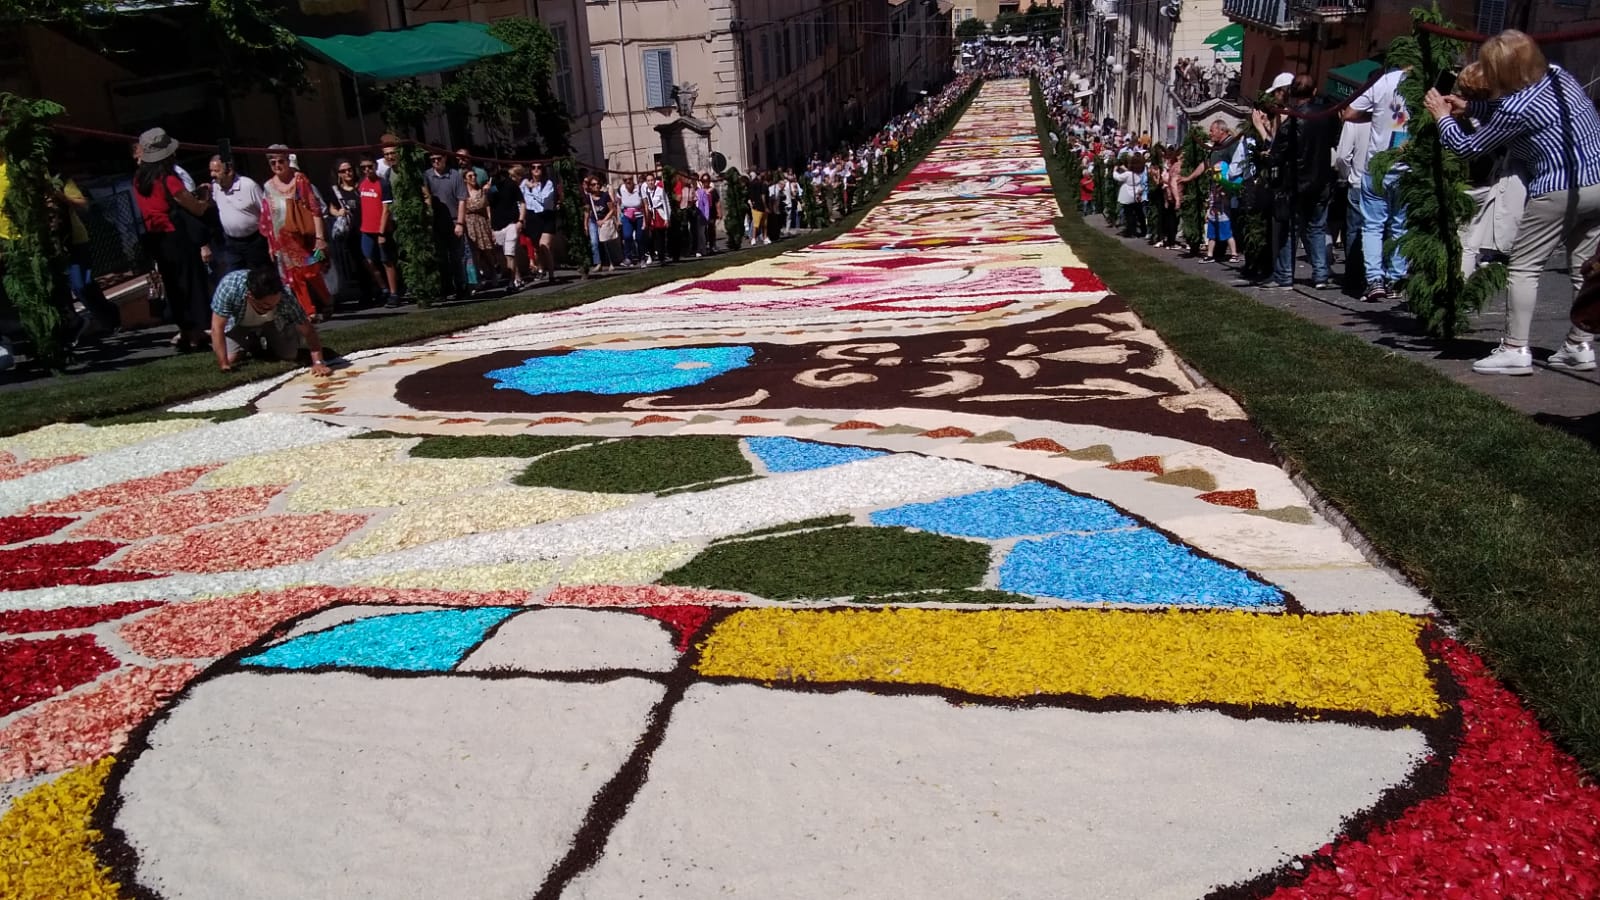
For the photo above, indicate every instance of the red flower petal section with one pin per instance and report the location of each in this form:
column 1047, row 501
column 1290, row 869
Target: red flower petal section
column 22, row 621
column 33, row 579
column 16, row 529
column 1517, row 817
column 251, row 544
column 30, row 671
column 10, row 468
column 127, row 491
column 207, row 628
column 56, row 556
column 685, row 620
column 73, row 731
column 179, row 512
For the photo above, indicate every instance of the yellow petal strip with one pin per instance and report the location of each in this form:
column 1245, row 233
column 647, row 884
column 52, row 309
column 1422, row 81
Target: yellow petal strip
column 1363, row 662
column 46, row 844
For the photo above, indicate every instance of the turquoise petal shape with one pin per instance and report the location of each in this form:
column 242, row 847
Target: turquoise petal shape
column 621, row 371
column 433, row 641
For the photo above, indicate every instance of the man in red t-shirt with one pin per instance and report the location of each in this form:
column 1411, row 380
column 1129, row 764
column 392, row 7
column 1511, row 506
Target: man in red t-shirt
column 375, row 246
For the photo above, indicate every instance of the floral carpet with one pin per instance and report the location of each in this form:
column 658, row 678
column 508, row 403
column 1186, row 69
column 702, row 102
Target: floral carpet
column 907, row 564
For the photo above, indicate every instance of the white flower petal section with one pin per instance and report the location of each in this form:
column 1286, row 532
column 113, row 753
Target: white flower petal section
column 874, row 796
column 632, row 567
column 293, row 465
column 574, row 640
column 518, row 576
column 495, row 509
column 696, row 517
column 234, row 398
column 85, row 440
column 396, row 483
column 195, row 445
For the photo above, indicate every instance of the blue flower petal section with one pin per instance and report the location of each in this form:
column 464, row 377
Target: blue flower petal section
column 621, row 371
column 782, row 454
column 431, row 641
column 1028, row 508
column 1140, row 566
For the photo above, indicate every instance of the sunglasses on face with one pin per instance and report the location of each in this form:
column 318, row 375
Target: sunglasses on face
column 277, row 161
column 368, row 166
column 346, row 170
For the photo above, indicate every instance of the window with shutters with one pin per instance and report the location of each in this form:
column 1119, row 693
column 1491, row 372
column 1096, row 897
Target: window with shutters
column 766, row 58
column 820, row 26
column 597, row 72
column 658, row 77
column 564, row 90
column 749, row 66
column 788, row 54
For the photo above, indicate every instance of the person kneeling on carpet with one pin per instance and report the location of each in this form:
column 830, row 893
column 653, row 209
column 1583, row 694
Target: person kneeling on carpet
column 247, row 312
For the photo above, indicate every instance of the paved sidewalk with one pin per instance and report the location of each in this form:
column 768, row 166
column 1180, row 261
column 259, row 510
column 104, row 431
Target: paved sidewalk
column 1566, row 400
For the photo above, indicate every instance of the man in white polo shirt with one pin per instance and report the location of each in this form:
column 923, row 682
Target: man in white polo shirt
column 238, row 199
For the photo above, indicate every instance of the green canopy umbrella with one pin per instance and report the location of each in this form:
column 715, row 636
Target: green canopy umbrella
column 384, row 55
column 1227, row 42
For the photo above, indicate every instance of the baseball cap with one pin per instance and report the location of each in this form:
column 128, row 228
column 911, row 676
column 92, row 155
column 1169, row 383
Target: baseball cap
column 1283, row 80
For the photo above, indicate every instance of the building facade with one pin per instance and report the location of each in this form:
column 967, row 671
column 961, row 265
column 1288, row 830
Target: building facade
column 755, row 83
column 1128, row 49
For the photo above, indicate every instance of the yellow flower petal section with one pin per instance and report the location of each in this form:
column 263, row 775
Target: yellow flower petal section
column 628, row 567
column 1365, row 662
column 300, row 463
column 47, row 846
column 398, row 482
column 72, row 440
column 518, row 576
column 494, row 509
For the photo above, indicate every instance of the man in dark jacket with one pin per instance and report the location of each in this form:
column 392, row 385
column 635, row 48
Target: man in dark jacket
column 1302, row 160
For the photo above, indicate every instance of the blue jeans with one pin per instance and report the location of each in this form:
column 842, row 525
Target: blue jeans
column 594, row 241
column 1382, row 217
column 1352, row 233
column 1309, row 229
column 631, row 233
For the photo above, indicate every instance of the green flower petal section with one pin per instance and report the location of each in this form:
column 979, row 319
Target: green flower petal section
column 453, row 447
column 640, row 466
column 837, row 562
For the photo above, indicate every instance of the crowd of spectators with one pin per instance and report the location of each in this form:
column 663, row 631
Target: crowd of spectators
column 1303, row 167
column 330, row 238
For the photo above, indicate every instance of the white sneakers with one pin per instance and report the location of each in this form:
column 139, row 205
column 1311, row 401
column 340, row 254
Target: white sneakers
column 1506, row 360
column 1574, row 357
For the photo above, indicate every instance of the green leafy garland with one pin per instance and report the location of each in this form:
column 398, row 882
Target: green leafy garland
column 1192, row 208
column 815, row 211
column 1254, row 226
column 733, row 207
column 501, row 89
column 34, row 258
column 413, row 227
column 569, row 209
column 1433, row 192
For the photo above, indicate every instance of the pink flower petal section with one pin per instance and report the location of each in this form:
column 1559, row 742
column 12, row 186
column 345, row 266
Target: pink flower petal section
column 127, row 491
column 250, row 544
column 10, row 468
column 23, row 621
column 209, row 628
column 637, row 595
column 16, row 529
column 73, row 731
column 31, row 671
column 178, row 513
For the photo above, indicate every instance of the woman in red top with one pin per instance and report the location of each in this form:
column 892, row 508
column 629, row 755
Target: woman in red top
column 170, row 241
column 291, row 219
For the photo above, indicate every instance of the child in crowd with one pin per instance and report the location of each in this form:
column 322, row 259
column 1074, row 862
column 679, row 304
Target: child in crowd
column 1219, row 228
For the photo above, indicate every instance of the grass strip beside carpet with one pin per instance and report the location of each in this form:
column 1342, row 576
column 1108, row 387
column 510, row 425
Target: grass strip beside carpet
column 1490, row 513
column 162, row 382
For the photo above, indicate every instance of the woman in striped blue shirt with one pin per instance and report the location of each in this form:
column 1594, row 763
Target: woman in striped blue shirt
column 1542, row 115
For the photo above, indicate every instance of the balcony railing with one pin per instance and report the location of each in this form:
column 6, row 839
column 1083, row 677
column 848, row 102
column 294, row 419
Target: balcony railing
column 1325, row 10
column 1273, row 15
